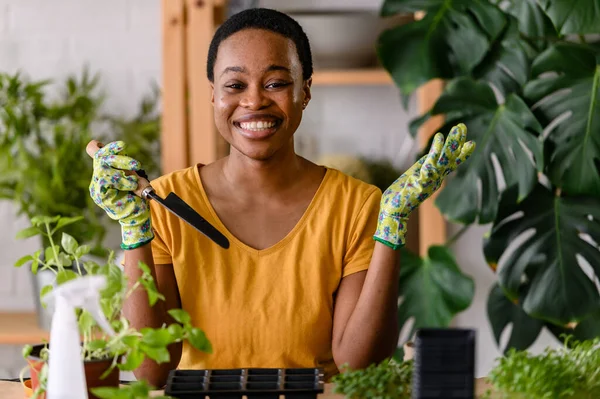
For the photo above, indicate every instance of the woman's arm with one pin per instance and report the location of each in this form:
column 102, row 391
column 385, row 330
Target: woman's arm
column 365, row 326
column 365, row 319
column 140, row 314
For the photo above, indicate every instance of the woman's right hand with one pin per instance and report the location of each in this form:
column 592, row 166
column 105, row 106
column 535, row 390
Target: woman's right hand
column 112, row 190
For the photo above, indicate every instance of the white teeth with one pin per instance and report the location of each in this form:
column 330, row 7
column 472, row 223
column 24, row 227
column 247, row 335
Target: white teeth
column 260, row 125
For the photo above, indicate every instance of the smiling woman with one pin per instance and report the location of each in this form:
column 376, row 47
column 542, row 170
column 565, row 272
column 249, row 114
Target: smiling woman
column 310, row 278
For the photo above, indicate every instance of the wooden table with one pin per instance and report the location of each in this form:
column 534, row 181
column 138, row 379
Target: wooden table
column 14, row 390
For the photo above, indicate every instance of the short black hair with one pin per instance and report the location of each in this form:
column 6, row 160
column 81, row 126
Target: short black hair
column 267, row 19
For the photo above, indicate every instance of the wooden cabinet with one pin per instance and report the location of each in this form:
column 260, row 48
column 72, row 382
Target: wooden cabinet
column 189, row 134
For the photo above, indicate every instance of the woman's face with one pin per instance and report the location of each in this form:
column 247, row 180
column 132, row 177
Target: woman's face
column 258, row 92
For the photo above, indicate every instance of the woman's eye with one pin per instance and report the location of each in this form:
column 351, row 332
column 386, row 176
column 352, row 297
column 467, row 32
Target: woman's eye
column 236, row 86
column 277, row 85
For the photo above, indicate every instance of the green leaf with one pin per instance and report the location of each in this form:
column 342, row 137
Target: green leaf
column 43, row 220
column 534, row 24
column 26, row 351
column 144, row 268
column 45, row 290
column 65, row 221
column 587, row 329
column 176, row 331
column 452, row 38
column 82, row 250
column 180, row 316
column 153, row 294
column 96, row 344
column 502, row 312
column 433, row 288
column 156, row 337
column 86, row 321
column 133, row 360
column 573, row 16
column 131, row 341
column 36, row 261
column 197, row 338
column 111, row 393
column 549, row 229
column 506, row 65
column 65, row 275
column 49, row 256
column 573, row 90
column 159, row 355
column 23, row 260
column 28, row 232
column 69, row 243
column 65, row 260
column 498, row 130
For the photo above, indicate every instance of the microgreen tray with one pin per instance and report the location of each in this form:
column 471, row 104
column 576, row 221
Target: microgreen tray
column 251, row 383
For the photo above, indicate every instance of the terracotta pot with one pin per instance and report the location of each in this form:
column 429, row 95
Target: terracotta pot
column 93, row 371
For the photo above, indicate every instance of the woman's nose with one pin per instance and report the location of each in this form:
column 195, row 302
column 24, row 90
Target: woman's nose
column 254, row 98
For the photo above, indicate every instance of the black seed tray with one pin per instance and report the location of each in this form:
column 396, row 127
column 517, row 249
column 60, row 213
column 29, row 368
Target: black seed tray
column 444, row 364
column 250, row 383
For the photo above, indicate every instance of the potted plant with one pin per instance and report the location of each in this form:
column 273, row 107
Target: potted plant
column 103, row 356
column 42, row 170
column 524, row 77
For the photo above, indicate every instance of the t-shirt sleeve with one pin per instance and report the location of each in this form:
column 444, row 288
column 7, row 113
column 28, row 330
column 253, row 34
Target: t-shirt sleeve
column 360, row 238
column 160, row 251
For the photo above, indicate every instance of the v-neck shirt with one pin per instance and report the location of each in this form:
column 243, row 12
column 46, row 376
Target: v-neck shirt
column 269, row 307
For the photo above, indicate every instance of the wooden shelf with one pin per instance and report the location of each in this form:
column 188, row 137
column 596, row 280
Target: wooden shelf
column 372, row 76
column 20, row 329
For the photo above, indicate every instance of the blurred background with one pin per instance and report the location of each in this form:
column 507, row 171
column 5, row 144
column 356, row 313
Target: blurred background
column 112, row 52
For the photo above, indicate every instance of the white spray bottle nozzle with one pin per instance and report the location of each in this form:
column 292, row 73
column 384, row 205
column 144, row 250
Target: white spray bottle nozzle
column 66, row 377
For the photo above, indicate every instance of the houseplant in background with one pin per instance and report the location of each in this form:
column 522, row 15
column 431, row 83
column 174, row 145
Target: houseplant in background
column 103, row 355
column 524, row 76
column 43, row 167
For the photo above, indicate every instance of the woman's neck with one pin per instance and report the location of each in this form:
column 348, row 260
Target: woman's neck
column 264, row 177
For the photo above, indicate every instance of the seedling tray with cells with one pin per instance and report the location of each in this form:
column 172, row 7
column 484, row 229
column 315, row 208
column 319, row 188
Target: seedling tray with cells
column 250, row 383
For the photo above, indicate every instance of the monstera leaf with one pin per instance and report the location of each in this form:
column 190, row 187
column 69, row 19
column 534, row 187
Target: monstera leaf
column 506, row 65
column 449, row 41
column 567, row 86
column 534, row 23
column 588, row 328
column 545, row 260
column 433, row 289
column 502, row 312
column 573, row 16
column 498, row 130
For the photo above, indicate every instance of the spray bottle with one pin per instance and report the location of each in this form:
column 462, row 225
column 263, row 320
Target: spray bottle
column 66, row 376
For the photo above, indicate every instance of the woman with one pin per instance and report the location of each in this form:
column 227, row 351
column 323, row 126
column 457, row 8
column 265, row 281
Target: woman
column 310, row 278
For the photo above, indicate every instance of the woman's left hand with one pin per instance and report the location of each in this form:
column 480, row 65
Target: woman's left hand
column 418, row 183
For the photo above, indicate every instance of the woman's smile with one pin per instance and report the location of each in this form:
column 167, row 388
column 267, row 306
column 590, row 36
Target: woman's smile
column 257, row 127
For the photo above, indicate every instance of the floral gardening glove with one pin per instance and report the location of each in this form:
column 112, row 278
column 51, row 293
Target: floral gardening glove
column 111, row 189
column 418, row 183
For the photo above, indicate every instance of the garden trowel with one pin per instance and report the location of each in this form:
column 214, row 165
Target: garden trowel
column 172, row 202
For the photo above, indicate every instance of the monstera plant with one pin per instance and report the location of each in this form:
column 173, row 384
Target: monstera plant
column 524, row 76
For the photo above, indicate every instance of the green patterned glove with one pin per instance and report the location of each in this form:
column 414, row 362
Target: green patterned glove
column 111, row 189
column 418, row 183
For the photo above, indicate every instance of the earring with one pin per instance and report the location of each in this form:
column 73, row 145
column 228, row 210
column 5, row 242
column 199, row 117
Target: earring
column 304, row 104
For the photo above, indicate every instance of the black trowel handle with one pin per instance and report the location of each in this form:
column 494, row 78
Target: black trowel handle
column 143, row 183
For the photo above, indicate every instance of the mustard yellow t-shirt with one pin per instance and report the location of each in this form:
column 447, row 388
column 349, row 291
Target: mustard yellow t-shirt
column 270, row 307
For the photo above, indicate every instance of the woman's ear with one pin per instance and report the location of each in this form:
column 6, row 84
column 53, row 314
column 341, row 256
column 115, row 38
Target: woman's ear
column 306, row 91
column 212, row 93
